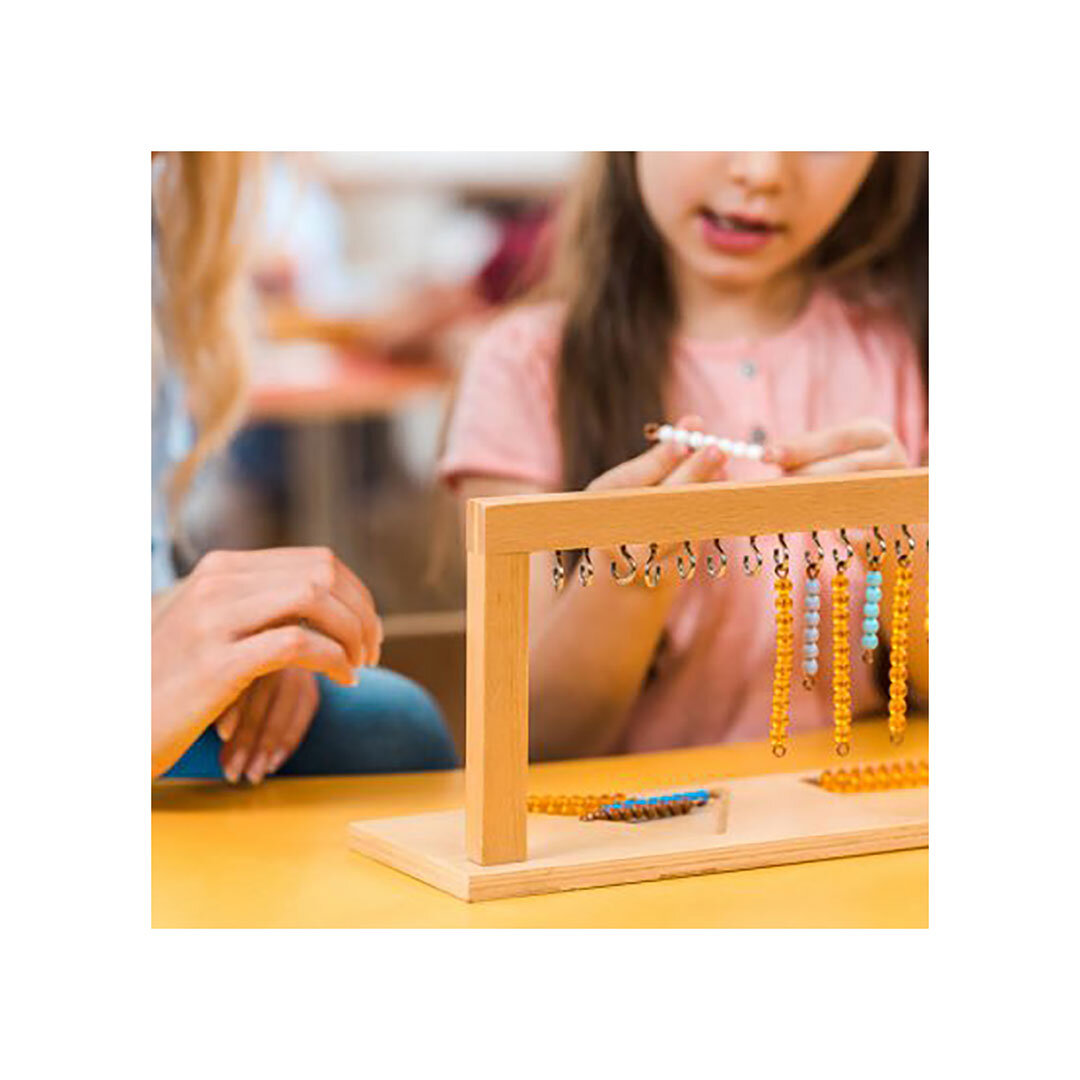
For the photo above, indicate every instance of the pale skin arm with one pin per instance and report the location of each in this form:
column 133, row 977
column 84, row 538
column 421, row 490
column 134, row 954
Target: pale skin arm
column 590, row 648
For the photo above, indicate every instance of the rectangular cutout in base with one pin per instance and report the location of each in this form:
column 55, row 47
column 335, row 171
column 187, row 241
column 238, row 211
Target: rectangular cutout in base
column 772, row 820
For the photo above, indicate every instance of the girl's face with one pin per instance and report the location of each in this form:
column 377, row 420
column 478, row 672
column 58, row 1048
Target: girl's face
column 740, row 219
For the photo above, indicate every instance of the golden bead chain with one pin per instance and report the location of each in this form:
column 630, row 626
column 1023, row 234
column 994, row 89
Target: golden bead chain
column 841, row 673
column 898, row 650
column 570, row 805
column 866, row 778
column 785, row 651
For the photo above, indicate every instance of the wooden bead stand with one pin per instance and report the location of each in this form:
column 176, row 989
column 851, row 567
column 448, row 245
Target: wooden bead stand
column 482, row 852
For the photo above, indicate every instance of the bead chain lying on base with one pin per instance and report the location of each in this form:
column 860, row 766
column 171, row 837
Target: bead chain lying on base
column 619, row 807
column 864, row 778
column 659, row 806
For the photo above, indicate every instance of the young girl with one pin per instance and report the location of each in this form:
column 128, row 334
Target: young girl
column 775, row 298
column 254, row 653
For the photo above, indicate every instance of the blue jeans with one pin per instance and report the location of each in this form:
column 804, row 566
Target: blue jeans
column 385, row 724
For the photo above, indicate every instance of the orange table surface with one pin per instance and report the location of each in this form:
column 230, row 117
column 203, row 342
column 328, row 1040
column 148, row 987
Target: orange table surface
column 276, row 855
column 343, row 385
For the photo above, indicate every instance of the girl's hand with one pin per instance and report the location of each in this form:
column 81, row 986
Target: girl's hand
column 856, row 447
column 263, row 727
column 665, row 463
column 244, row 614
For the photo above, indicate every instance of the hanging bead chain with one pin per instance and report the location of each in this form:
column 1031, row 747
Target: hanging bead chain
column 570, row 805
column 863, row 778
column 781, row 699
column 841, row 608
column 898, row 652
column 872, row 603
column 812, row 616
column 659, row 806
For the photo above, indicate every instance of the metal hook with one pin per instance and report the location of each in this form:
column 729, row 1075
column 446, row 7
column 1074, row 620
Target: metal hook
column 687, row 572
column 651, row 573
column 585, row 570
column 813, row 565
column 842, row 564
column 716, row 569
column 558, row 573
column 904, row 557
column 782, row 561
column 628, row 577
column 747, row 569
column 875, row 559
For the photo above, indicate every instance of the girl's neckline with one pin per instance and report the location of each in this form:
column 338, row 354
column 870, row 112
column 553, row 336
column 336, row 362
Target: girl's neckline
column 735, row 344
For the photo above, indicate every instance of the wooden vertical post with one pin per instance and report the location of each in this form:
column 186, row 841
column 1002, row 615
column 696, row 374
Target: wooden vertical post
column 497, row 707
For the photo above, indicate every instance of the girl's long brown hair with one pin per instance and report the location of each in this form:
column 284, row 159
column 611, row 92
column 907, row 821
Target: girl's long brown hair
column 611, row 270
column 202, row 210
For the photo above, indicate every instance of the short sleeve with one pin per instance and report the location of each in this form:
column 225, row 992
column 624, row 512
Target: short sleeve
column 504, row 421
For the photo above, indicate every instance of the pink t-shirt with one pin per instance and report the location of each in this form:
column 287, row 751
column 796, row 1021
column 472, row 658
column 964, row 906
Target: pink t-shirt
column 712, row 678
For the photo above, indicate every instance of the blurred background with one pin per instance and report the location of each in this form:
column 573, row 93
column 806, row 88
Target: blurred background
column 374, row 273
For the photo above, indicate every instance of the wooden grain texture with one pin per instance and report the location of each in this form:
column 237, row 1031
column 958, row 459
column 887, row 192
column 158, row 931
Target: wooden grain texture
column 497, row 706
column 573, row 520
column 773, row 820
column 723, row 810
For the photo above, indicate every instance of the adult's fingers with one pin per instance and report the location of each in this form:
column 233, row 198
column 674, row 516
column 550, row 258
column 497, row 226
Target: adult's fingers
column 831, row 442
column 315, row 567
column 288, row 646
column 304, row 708
column 255, row 707
column 227, row 722
column 278, row 719
column 284, row 598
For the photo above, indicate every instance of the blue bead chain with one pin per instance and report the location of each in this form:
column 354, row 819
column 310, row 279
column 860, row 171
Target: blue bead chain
column 871, row 614
column 811, row 631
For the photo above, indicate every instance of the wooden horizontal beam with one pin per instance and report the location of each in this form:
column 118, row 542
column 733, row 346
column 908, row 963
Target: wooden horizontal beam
column 567, row 521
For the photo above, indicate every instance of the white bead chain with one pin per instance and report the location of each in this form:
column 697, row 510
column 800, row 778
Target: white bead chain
column 697, row 439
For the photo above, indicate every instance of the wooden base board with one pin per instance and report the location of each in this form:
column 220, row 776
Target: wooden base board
column 772, row 820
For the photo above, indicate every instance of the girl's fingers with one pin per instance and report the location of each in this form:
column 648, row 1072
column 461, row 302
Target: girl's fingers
column 830, row 443
column 288, row 646
column 708, row 463
column 645, row 470
column 651, row 467
column 860, row 461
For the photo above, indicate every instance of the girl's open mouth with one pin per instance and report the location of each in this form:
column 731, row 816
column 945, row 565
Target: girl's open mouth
column 736, row 233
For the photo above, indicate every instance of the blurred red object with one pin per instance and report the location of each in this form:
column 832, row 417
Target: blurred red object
column 522, row 257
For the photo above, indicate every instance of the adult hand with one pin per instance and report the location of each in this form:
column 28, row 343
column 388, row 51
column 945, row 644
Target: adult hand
column 261, row 730
column 241, row 615
column 854, row 447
